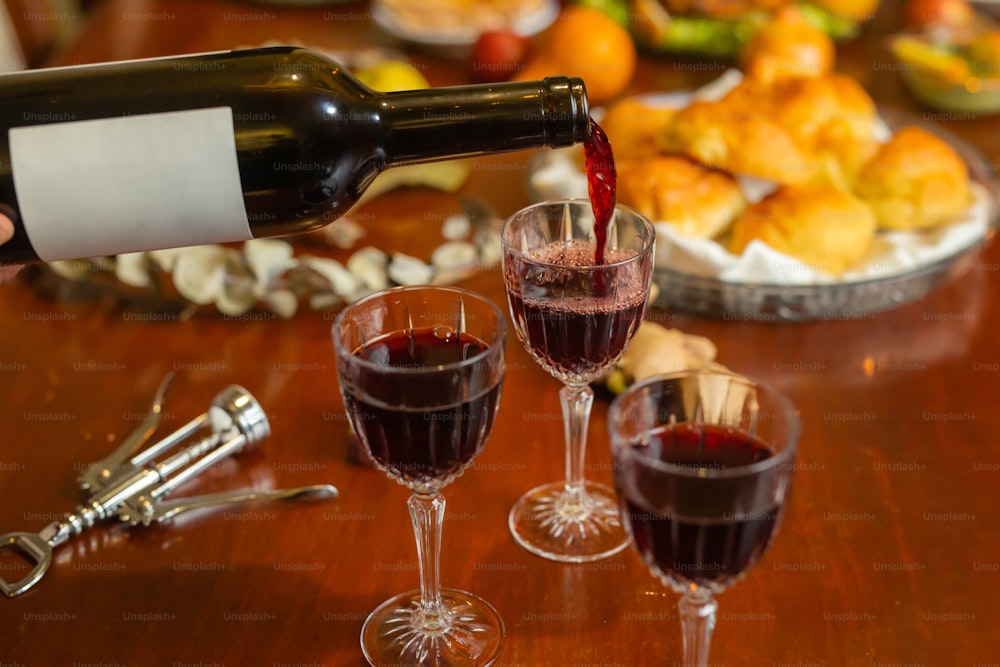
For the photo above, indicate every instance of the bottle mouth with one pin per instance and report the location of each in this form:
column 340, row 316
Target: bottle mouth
column 567, row 111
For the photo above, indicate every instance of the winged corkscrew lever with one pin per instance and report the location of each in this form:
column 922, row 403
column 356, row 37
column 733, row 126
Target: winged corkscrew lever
column 132, row 486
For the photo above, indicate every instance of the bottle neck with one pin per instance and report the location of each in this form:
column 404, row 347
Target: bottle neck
column 461, row 121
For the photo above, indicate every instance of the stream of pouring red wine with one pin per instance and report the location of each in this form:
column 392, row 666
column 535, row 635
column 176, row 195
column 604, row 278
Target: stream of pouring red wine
column 602, row 185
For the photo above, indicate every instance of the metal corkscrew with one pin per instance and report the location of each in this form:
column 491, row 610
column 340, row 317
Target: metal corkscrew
column 130, row 485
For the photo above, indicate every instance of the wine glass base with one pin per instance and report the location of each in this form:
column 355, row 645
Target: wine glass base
column 552, row 523
column 397, row 633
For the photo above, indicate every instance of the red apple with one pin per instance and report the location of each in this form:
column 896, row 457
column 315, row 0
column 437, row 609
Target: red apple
column 933, row 13
column 497, row 55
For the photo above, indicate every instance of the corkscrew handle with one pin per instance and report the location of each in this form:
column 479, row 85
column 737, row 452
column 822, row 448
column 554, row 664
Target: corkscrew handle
column 38, row 552
column 237, row 422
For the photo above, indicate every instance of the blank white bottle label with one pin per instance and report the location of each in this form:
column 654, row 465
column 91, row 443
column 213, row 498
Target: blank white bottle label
column 130, row 183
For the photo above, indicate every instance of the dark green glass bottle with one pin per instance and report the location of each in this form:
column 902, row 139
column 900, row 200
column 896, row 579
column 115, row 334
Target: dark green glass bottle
column 122, row 157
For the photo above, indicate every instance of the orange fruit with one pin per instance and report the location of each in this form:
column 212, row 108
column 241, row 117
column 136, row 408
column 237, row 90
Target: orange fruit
column 788, row 46
column 587, row 43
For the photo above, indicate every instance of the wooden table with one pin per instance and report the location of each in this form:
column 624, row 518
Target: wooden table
column 889, row 554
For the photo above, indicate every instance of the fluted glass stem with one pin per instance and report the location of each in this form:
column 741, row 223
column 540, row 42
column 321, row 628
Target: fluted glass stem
column 576, row 404
column 427, row 516
column 697, row 609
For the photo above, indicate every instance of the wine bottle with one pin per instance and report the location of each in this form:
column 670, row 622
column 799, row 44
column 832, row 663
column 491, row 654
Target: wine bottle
column 167, row 152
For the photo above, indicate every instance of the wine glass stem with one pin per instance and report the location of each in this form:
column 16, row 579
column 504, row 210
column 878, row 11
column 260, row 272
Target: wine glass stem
column 427, row 515
column 576, row 403
column 697, row 609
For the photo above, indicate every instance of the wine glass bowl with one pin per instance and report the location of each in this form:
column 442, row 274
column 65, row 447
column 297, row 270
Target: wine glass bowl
column 703, row 463
column 575, row 316
column 420, row 371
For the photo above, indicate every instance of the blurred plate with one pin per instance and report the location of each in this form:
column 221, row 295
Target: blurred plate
column 456, row 30
column 935, row 65
column 876, row 286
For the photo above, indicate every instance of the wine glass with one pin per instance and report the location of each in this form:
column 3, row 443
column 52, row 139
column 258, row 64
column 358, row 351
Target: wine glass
column 576, row 317
column 421, row 371
column 703, row 463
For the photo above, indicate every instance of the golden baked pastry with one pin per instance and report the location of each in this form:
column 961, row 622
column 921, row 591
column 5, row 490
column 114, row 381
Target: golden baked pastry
column 823, row 226
column 736, row 137
column 697, row 202
column 841, row 158
column 793, row 130
column 832, row 105
column 634, row 127
column 787, row 47
column 915, row 180
column 832, row 118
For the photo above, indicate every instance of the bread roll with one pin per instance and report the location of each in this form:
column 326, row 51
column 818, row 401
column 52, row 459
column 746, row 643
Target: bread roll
column 696, row 201
column 734, row 136
column 822, row 226
column 634, row 127
column 832, row 105
column 916, row 180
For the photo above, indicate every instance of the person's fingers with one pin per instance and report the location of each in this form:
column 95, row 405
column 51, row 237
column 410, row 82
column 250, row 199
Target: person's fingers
column 6, row 229
column 6, row 233
column 8, row 272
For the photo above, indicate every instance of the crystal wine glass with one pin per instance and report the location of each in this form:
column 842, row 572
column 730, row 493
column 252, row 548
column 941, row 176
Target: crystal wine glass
column 575, row 316
column 421, row 371
column 703, row 465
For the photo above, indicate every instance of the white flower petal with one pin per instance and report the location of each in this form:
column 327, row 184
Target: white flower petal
column 342, row 281
column 343, row 233
column 283, row 302
column 490, row 247
column 369, row 266
column 323, row 300
column 456, row 227
column 454, row 255
column 237, row 296
column 407, row 270
column 200, row 273
column 268, row 259
column 133, row 269
column 71, row 269
column 167, row 258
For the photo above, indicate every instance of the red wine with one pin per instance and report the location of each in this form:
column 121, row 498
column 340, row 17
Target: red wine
column 571, row 328
column 602, row 186
column 718, row 541
column 122, row 157
column 419, row 444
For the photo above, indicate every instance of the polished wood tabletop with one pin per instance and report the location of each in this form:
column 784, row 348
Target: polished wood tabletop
column 889, row 553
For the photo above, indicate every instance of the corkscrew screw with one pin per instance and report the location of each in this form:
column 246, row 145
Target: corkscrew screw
column 130, row 485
